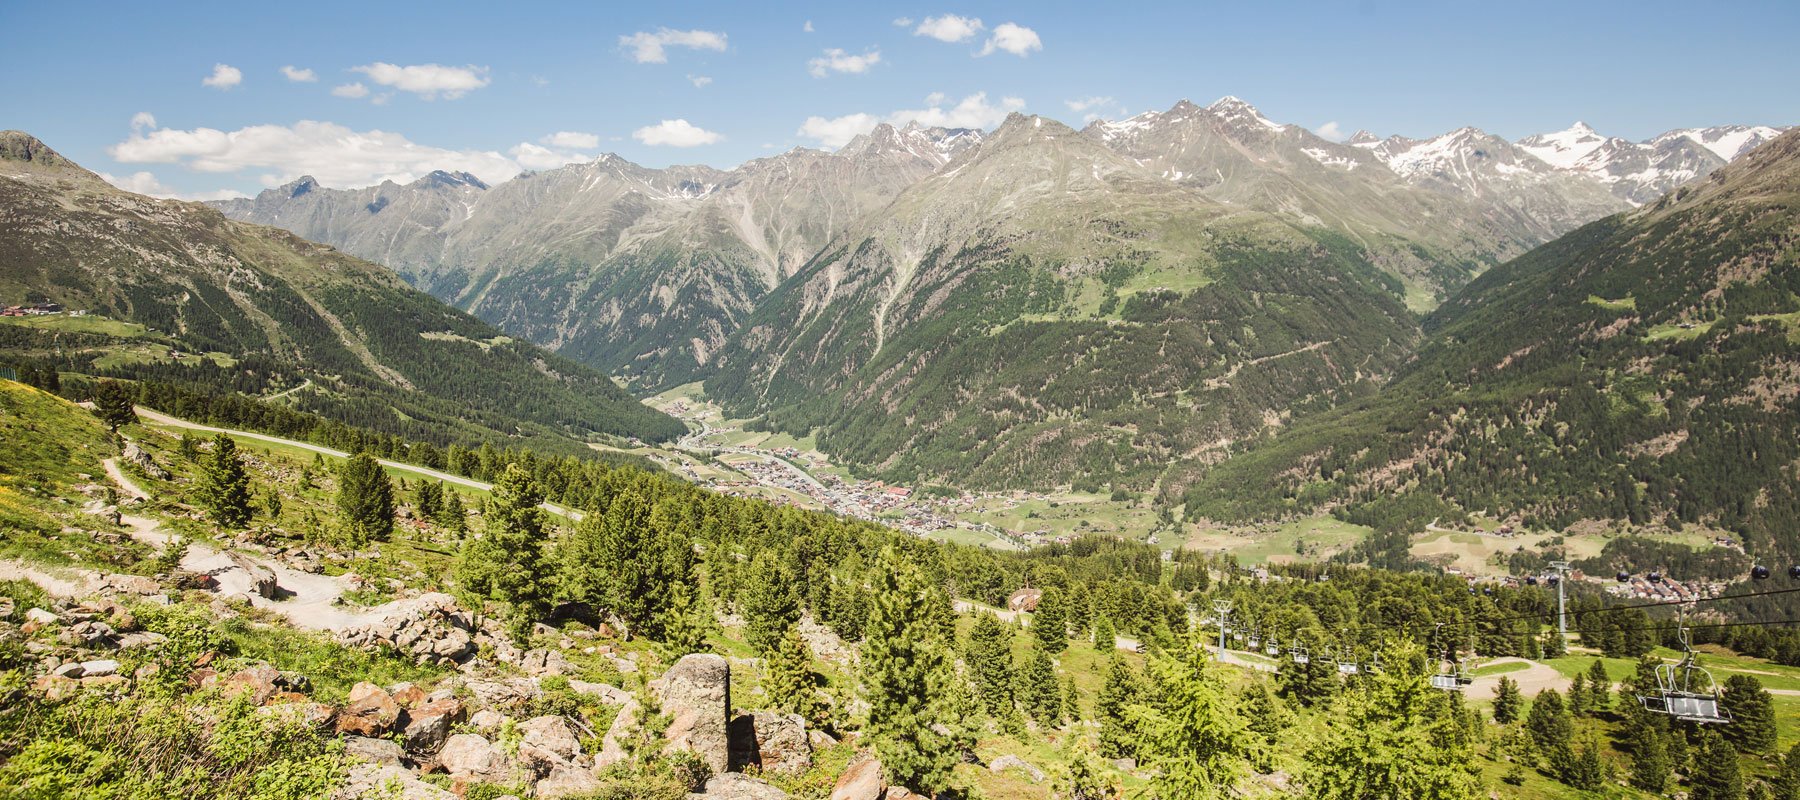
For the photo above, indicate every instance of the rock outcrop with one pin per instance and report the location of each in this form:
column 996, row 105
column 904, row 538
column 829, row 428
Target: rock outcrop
column 696, row 696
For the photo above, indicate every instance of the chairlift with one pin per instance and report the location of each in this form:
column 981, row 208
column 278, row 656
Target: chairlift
column 1685, row 690
column 1300, row 654
column 1271, row 648
column 1453, row 676
column 1374, row 665
column 1346, row 664
column 1255, row 637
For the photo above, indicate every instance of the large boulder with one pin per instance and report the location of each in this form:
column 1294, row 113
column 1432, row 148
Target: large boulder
column 612, row 745
column 429, row 725
column 1007, row 762
column 387, row 782
column 737, row 786
column 566, row 781
column 430, row 628
column 781, row 742
column 373, row 751
column 546, row 743
column 469, row 757
column 860, row 781
column 370, row 712
column 696, row 696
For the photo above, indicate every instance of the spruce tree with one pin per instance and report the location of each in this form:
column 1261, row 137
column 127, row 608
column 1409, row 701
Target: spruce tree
column 1267, row 718
column 1191, row 737
column 114, row 404
column 365, row 500
column 1550, row 728
column 428, row 499
column 791, row 683
column 1392, row 735
column 907, row 677
column 224, row 486
column 506, row 561
column 1039, row 690
column 1081, row 610
column 1084, row 781
column 451, row 514
column 1716, row 773
column 1050, row 623
column 1508, row 701
column 1752, row 709
column 1122, row 690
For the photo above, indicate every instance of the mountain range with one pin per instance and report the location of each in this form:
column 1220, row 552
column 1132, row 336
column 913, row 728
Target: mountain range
column 351, row 339
column 979, row 307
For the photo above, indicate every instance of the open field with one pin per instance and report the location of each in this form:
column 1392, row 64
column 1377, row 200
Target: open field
column 1299, row 540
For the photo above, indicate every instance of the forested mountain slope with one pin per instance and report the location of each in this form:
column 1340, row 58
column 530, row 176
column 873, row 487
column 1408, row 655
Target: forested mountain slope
column 1046, row 310
column 1643, row 369
column 279, row 311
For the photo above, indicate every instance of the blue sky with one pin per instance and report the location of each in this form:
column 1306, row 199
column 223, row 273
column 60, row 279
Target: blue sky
column 122, row 87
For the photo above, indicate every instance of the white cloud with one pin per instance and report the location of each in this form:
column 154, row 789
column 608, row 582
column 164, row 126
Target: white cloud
column 973, row 111
column 948, row 28
column 336, row 155
column 533, row 157
column 836, row 60
column 298, row 75
column 353, row 91
column 699, row 81
column 1015, row 39
column 224, row 76
column 1093, row 108
column 903, row 22
column 146, row 183
column 1330, row 130
column 807, row 28
column 649, row 48
column 428, row 81
column 574, row 140
column 142, row 120
column 838, row 131
column 675, row 133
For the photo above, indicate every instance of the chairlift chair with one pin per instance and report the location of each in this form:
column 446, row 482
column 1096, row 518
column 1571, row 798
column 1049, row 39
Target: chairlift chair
column 1453, row 677
column 1271, row 648
column 1686, row 691
column 1346, row 662
column 1300, row 654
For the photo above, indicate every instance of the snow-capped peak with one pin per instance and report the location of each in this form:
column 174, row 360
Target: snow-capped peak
column 1232, row 109
column 1563, row 149
column 1725, row 141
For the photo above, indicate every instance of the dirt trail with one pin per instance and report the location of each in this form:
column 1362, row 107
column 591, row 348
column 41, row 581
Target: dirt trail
column 1531, row 680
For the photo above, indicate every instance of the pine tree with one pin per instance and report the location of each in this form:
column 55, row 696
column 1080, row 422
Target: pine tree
column 1311, row 683
column 1085, row 782
column 907, row 677
column 451, row 514
column 272, row 504
column 428, row 499
column 1787, row 781
column 1392, row 735
column 1716, row 773
column 1071, row 699
column 1268, row 718
column 1587, row 771
column 1599, row 688
column 1105, row 638
column 1050, row 623
column 1081, row 610
column 1192, row 738
column 1752, row 709
column 114, row 404
column 1123, row 689
column 224, row 486
column 506, row 562
column 1650, row 760
column 1039, row 691
column 1508, row 701
column 770, row 599
column 1578, row 694
column 690, row 622
column 791, row 683
column 991, row 664
column 365, row 500
column 1550, row 728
